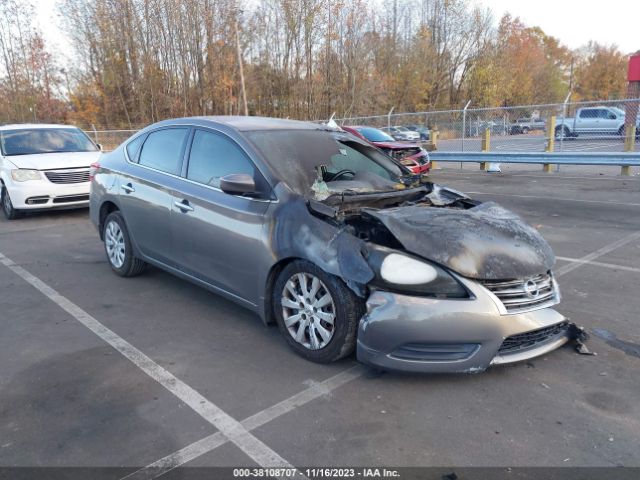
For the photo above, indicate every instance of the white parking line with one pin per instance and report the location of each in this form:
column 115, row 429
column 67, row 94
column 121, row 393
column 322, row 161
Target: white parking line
column 601, row 202
column 601, row 264
column 211, row 442
column 232, row 429
column 598, row 253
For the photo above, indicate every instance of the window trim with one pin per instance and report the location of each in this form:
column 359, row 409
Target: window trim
column 143, row 137
column 193, row 127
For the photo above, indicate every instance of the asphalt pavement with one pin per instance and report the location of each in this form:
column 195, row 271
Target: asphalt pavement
column 97, row 370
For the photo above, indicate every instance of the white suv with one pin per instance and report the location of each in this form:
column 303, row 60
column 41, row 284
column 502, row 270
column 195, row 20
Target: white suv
column 44, row 166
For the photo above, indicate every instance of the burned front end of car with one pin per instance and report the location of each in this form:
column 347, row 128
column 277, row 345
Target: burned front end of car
column 457, row 285
column 448, row 283
column 414, row 157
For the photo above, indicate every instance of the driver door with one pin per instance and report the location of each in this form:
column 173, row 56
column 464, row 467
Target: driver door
column 218, row 237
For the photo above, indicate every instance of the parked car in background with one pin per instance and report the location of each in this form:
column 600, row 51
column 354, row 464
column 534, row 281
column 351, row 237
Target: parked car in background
column 425, row 133
column 401, row 133
column 44, row 166
column 526, row 125
column 319, row 231
column 410, row 155
column 594, row 121
column 478, row 127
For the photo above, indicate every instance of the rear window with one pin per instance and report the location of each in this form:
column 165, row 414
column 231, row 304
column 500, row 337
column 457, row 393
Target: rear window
column 30, row 141
column 375, row 135
column 589, row 113
column 163, row 150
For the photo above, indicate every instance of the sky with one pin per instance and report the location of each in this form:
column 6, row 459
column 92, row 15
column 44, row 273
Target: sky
column 574, row 22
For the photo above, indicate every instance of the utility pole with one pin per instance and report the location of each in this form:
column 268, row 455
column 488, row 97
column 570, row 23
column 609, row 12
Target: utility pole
column 571, row 76
column 242, row 89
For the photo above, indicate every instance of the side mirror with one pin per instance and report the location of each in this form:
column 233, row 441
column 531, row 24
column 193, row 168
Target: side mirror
column 99, row 146
column 237, row 184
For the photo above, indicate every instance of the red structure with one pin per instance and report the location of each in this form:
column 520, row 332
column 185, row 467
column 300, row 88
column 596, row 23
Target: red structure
column 633, row 90
column 634, row 68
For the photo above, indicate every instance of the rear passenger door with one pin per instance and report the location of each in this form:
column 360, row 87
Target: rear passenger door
column 219, row 237
column 146, row 192
column 608, row 122
column 587, row 120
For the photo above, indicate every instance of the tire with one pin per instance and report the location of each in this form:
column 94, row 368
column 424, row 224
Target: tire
column 10, row 213
column 342, row 303
column 117, row 246
column 622, row 131
column 525, row 130
column 565, row 132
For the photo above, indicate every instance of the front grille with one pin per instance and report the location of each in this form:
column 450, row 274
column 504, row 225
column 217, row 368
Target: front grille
column 533, row 339
column 524, row 295
column 404, row 152
column 71, row 175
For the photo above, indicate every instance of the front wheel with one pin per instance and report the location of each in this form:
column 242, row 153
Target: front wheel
column 7, row 207
column 525, row 130
column 117, row 245
column 316, row 312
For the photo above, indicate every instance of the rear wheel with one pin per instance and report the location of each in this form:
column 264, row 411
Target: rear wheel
column 117, row 245
column 7, row 207
column 562, row 132
column 316, row 312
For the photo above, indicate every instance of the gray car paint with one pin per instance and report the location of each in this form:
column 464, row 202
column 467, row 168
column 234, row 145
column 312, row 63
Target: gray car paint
column 235, row 245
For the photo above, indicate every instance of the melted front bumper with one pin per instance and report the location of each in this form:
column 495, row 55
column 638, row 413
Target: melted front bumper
column 419, row 334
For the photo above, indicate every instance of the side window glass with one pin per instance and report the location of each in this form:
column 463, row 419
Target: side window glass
column 587, row 113
column 213, row 156
column 133, row 146
column 163, row 150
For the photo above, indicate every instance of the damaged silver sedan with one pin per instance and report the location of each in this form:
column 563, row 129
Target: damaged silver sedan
column 339, row 244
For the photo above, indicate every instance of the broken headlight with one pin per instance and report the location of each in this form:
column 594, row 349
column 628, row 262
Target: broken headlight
column 402, row 273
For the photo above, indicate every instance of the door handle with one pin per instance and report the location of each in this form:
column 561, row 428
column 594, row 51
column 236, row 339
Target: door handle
column 183, row 206
column 128, row 188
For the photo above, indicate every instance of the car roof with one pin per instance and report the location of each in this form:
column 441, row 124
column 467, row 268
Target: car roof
column 33, row 126
column 249, row 123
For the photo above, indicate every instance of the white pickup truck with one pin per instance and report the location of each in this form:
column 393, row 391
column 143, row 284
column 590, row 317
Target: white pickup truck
column 593, row 121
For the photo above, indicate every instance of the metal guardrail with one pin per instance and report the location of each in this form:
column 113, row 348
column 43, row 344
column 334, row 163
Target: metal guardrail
column 624, row 160
column 630, row 159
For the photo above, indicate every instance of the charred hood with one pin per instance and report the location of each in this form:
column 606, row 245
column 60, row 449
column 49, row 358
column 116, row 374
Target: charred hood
column 483, row 242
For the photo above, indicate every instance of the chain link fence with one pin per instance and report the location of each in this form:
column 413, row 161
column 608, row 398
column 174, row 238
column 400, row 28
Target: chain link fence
column 573, row 126
column 600, row 126
column 109, row 139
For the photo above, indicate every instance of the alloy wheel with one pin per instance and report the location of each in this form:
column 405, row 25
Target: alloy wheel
column 114, row 243
column 308, row 311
